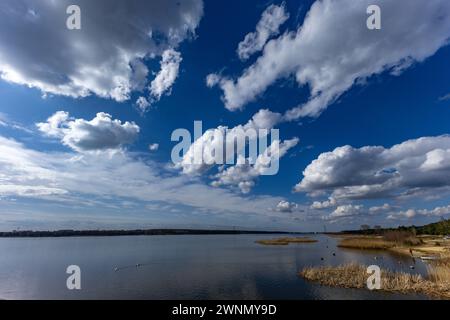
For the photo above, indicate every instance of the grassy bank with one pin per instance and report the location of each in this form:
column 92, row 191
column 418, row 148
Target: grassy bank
column 436, row 284
column 400, row 242
column 439, row 271
column 366, row 243
column 285, row 241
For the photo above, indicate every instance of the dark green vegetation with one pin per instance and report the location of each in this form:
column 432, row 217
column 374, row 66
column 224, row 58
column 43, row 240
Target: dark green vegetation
column 110, row 233
column 440, row 228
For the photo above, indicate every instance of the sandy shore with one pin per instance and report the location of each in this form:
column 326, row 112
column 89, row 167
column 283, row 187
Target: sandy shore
column 429, row 246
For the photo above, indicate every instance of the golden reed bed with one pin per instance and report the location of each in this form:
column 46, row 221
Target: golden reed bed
column 400, row 243
column 436, row 284
column 285, row 241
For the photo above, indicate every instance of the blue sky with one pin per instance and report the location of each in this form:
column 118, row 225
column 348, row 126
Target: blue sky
column 372, row 113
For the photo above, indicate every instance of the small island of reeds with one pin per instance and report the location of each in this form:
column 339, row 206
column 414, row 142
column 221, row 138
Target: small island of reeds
column 435, row 284
column 285, row 241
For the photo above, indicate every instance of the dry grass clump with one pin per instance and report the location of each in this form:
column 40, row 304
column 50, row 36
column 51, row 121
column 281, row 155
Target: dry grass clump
column 285, row 241
column 389, row 240
column 355, row 276
column 273, row 242
column 344, row 276
column 299, row 240
column 402, row 238
column 439, row 271
column 366, row 243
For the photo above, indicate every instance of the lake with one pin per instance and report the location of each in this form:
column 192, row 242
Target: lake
column 180, row 267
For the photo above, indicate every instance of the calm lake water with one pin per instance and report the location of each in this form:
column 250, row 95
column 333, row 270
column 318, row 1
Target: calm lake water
column 179, row 267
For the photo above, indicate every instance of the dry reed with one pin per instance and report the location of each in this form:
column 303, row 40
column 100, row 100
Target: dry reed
column 355, row 276
column 285, row 241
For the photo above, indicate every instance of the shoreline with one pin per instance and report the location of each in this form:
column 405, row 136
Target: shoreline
column 122, row 233
column 435, row 247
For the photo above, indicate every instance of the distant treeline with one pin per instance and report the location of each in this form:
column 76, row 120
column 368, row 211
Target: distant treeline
column 438, row 228
column 111, row 233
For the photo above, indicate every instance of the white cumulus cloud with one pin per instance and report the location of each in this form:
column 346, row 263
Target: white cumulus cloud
column 212, row 140
column 244, row 173
column 334, row 49
column 331, row 202
column 286, row 206
column 100, row 133
column 143, row 104
column 413, row 213
column 413, row 167
column 346, row 211
column 106, row 57
column 170, row 66
column 269, row 25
